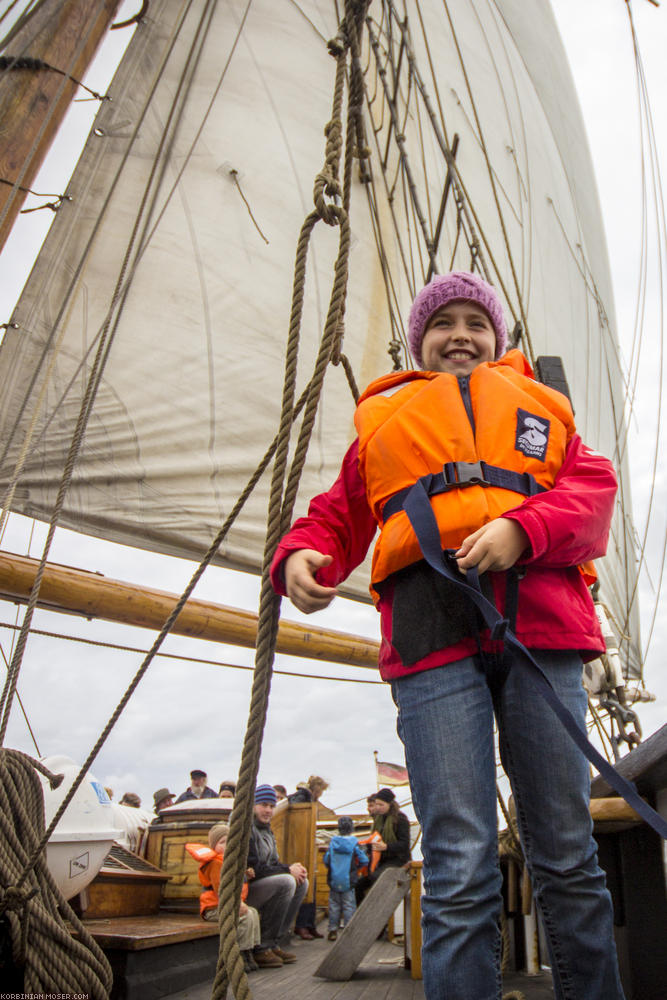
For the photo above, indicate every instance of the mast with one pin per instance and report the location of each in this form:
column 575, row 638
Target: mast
column 95, row 596
column 58, row 43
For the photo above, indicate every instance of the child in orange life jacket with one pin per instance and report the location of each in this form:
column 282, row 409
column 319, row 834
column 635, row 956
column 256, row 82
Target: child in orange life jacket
column 510, row 483
column 210, row 866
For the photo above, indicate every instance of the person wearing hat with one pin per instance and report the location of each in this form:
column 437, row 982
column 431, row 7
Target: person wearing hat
column 198, row 788
column 162, row 799
column 389, row 841
column 227, row 789
column 468, row 454
column 277, row 890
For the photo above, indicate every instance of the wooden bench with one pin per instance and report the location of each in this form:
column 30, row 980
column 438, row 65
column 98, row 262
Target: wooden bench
column 157, row 955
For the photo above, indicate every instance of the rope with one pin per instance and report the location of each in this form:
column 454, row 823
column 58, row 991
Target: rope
column 281, row 502
column 29, row 62
column 35, row 910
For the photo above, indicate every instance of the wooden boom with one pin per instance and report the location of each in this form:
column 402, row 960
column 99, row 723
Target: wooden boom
column 95, row 596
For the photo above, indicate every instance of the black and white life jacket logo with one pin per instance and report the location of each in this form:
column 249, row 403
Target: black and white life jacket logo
column 532, row 435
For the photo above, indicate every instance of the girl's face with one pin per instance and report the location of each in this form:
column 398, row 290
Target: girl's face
column 220, row 846
column 459, row 336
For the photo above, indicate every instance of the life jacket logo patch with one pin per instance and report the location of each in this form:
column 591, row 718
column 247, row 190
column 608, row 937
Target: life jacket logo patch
column 532, row 435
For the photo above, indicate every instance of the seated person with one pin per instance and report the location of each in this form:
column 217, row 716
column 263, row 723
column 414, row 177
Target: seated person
column 227, row 789
column 277, row 890
column 210, row 866
column 198, row 788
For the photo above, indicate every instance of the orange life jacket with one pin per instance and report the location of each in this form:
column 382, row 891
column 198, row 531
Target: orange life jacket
column 374, row 855
column 411, row 424
column 210, row 866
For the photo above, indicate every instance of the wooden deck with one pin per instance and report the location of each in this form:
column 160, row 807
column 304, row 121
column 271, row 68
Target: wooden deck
column 380, row 976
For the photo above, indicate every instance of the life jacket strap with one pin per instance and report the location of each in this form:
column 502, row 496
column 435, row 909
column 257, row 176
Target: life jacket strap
column 418, row 508
column 458, row 475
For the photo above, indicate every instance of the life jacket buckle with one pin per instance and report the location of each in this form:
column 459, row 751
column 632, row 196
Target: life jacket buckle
column 467, row 474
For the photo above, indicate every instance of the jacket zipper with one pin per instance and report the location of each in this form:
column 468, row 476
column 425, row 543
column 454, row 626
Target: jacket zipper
column 464, row 389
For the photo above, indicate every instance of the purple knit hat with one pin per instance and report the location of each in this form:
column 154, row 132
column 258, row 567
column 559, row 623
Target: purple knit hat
column 444, row 288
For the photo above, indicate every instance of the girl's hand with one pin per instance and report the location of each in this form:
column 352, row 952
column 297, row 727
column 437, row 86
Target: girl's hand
column 495, row 546
column 302, row 588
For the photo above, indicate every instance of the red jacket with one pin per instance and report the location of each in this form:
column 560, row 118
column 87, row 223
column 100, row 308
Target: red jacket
column 566, row 526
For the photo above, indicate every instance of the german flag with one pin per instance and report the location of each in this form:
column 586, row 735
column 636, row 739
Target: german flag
column 391, row 774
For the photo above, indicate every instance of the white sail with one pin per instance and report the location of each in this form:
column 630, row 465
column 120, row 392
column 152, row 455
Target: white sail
column 216, row 130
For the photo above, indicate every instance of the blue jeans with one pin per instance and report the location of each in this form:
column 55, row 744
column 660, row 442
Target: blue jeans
column 445, row 720
column 344, row 902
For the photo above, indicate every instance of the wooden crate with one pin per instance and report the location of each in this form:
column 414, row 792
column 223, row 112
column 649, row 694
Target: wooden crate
column 126, row 886
column 165, row 848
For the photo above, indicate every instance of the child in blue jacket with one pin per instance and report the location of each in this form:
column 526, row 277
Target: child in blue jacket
column 341, row 860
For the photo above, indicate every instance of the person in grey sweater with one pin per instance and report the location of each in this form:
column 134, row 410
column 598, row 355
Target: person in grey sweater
column 277, row 890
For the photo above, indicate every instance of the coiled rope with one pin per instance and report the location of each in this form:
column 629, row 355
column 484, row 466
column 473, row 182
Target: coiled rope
column 34, row 909
column 284, row 484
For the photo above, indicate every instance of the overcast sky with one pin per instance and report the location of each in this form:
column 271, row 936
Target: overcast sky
column 193, row 715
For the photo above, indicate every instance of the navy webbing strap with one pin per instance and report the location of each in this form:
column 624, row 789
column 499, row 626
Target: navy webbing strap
column 458, row 475
column 422, row 519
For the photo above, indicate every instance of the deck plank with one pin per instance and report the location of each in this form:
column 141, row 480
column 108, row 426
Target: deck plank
column 373, row 980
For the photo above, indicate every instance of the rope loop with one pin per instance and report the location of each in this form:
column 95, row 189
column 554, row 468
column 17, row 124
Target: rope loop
column 14, row 898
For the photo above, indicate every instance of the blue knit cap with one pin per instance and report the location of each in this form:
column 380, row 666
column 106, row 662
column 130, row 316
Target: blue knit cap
column 266, row 793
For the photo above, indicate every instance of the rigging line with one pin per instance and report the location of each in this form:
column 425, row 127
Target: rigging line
column 598, row 724
column 283, row 495
column 400, row 141
column 644, row 114
column 86, row 250
column 660, row 220
column 22, row 19
column 29, row 62
column 646, row 117
column 643, row 264
column 396, row 73
column 310, row 22
column 456, row 239
column 204, row 661
column 392, row 212
column 501, row 218
column 17, row 627
column 444, row 198
column 465, row 201
column 393, row 308
column 523, row 191
column 473, row 131
column 92, row 386
column 427, row 46
column 586, row 273
column 53, row 104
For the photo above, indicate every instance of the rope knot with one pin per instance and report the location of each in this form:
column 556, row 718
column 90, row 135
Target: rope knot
column 14, row 898
column 394, row 352
column 326, row 184
column 336, row 46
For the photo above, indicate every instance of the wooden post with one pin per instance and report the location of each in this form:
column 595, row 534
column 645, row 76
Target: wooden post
column 65, row 34
column 412, row 921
